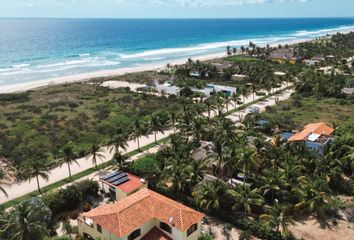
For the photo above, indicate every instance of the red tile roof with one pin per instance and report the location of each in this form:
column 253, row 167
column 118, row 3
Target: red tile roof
column 133, row 183
column 123, row 217
column 318, row 128
column 156, row 234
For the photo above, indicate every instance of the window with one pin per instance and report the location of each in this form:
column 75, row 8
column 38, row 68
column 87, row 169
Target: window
column 192, row 229
column 165, row 227
column 99, row 228
column 134, row 234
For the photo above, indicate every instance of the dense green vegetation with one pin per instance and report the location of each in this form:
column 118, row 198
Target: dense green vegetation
column 38, row 124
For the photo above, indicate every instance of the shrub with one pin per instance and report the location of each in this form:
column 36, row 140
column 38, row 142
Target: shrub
column 88, row 187
column 145, row 167
column 14, row 97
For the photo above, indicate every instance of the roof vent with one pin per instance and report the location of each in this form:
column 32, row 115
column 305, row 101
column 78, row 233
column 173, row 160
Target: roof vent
column 142, row 180
column 170, row 220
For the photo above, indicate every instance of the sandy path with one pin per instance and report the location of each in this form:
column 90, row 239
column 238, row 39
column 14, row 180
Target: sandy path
column 310, row 229
column 19, row 189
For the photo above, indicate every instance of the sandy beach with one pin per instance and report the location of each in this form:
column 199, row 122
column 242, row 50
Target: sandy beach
column 21, row 87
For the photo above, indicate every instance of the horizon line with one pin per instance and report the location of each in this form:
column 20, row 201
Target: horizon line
column 177, row 18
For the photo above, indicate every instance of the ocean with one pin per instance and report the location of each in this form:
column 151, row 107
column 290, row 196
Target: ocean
column 36, row 49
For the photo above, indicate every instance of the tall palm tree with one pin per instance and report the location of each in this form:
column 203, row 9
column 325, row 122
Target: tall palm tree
column 137, row 132
column 247, row 159
column 196, row 171
column 37, row 168
column 68, row 157
column 120, row 159
column 246, row 197
column 277, row 219
column 27, row 221
column 156, row 126
column 118, row 141
column 236, row 99
column 96, row 153
column 216, row 158
column 245, row 93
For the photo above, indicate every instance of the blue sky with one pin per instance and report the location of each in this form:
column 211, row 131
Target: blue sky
column 176, row 8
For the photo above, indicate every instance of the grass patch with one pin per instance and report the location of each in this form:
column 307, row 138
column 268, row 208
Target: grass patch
column 306, row 110
column 239, row 58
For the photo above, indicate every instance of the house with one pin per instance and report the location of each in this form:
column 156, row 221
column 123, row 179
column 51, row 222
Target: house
column 222, row 66
column 120, row 184
column 228, row 91
column 144, row 215
column 316, row 136
column 283, row 55
column 168, row 88
column 238, row 77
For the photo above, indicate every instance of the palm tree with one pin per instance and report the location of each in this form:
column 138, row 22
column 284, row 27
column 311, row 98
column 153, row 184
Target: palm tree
column 120, row 159
column 118, row 141
column 156, row 126
column 175, row 176
column 173, row 120
column 277, row 219
column 2, row 178
column 247, row 159
column 36, row 168
column 246, row 197
column 137, row 132
column 68, row 157
column 245, row 93
column 236, row 99
column 196, row 171
column 96, row 152
column 27, row 221
column 217, row 156
column 213, row 194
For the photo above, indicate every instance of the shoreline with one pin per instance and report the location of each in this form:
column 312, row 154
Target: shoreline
column 84, row 77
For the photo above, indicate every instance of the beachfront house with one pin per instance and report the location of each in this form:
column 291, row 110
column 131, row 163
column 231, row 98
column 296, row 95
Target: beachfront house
column 144, row 215
column 120, row 184
column 168, row 88
column 316, row 136
column 283, row 55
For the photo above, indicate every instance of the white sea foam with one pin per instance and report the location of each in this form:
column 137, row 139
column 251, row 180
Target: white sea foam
column 24, row 65
column 84, row 54
column 322, row 32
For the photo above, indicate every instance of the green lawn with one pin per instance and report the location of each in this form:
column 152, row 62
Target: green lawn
column 239, row 58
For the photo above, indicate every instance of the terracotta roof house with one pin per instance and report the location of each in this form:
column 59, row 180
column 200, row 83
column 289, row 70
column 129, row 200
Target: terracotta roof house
column 316, row 136
column 121, row 184
column 142, row 215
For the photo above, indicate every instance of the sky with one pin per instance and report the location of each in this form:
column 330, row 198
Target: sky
column 175, row 8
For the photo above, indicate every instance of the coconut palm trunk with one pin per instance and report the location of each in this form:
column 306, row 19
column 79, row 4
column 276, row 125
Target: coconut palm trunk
column 69, row 171
column 39, row 188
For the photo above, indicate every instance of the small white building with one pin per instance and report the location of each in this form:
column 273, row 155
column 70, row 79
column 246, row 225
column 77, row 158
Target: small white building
column 229, row 91
column 238, row 77
column 168, row 89
column 310, row 62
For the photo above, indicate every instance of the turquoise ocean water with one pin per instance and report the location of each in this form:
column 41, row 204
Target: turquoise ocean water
column 35, row 49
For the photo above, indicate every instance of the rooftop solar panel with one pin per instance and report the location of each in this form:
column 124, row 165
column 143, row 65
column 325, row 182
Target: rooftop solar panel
column 113, row 174
column 115, row 178
column 120, row 181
